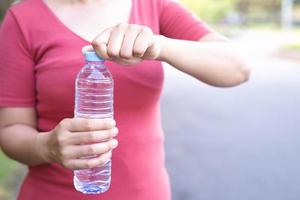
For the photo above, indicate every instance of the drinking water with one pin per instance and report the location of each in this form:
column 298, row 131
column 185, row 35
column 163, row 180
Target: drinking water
column 93, row 99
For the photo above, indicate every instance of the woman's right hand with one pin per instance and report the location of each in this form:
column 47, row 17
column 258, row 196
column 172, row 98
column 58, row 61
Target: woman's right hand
column 74, row 139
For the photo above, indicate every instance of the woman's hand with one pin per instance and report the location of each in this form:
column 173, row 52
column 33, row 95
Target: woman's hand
column 212, row 59
column 74, row 139
column 127, row 44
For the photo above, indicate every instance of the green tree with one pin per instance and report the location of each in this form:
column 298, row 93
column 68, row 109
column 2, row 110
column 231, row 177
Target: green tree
column 211, row 10
column 248, row 10
column 268, row 10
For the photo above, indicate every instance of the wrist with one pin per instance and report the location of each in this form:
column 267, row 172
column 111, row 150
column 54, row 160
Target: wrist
column 41, row 147
column 163, row 44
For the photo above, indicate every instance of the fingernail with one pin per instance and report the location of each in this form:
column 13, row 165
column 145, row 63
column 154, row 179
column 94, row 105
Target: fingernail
column 113, row 143
column 115, row 131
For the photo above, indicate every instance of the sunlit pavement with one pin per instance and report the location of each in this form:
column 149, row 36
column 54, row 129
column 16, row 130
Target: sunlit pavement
column 241, row 143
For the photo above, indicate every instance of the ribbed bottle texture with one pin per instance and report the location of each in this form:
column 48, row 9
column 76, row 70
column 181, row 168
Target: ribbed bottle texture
column 93, row 99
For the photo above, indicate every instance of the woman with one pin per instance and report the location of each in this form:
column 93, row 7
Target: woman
column 40, row 44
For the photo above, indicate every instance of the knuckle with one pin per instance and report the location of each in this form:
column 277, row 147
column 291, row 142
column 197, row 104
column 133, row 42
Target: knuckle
column 90, row 164
column 134, row 27
column 102, row 160
column 113, row 53
column 147, row 29
column 105, row 135
column 125, row 54
column 107, row 147
column 66, row 164
column 95, row 43
column 64, row 123
column 91, row 136
column 139, row 51
column 122, row 26
column 90, row 150
column 88, row 125
column 61, row 139
column 64, row 153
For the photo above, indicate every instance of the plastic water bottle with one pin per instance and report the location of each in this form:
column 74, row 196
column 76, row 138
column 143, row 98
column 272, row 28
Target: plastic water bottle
column 93, row 99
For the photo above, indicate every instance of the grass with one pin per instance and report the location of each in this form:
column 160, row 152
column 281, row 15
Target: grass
column 10, row 173
column 6, row 166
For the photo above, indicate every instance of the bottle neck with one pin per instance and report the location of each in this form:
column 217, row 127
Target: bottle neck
column 94, row 62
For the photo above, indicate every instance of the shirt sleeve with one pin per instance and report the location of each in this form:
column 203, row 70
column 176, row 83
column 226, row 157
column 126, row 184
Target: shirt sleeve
column 17, row 82
column 179, row 23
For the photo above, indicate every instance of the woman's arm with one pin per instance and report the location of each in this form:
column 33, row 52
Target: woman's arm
column 211, row 60
column 69, row 141
column 18, row 136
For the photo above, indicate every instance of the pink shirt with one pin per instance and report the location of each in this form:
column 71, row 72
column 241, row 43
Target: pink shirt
column 39, row 60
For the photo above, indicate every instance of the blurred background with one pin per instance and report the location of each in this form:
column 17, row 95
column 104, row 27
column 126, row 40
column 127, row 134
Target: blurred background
column 241, row 143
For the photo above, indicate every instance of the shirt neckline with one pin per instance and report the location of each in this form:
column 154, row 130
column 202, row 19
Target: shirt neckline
column 67, row 29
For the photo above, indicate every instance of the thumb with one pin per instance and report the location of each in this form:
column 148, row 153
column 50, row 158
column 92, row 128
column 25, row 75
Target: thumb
column 100, row 43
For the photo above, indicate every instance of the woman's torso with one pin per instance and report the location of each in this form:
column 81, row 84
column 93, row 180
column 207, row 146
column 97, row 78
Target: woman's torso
column 138, row 170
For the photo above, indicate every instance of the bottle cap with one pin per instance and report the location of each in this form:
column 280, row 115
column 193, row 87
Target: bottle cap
column 92, row 56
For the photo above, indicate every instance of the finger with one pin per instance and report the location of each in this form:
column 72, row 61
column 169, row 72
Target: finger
column 76, row 164
column 116, row 40
column 126, row 51
column 92, row 136
column 130, row 61
column 83, row 125
column 99, row 44
column 144, row 40
column 81, row 151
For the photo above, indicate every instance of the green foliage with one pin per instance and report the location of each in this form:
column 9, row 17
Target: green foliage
column 11, row 173
column 6, row 167
column 257, row 11
column 291, row 47
column 249, row 11
column 3, row 6
column 211, row 10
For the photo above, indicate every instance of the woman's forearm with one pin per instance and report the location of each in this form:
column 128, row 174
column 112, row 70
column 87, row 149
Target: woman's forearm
column 71, row 140
column 24, row 144
column 215, row 63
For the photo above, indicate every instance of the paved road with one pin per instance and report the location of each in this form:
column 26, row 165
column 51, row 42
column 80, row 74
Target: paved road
column 236, row 144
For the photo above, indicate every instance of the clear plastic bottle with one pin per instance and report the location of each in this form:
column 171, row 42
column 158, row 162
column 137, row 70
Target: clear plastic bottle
column 93, row 99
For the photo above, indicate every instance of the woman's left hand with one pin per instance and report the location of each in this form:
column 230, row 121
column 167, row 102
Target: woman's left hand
column 212, row 59
column 127, row 44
